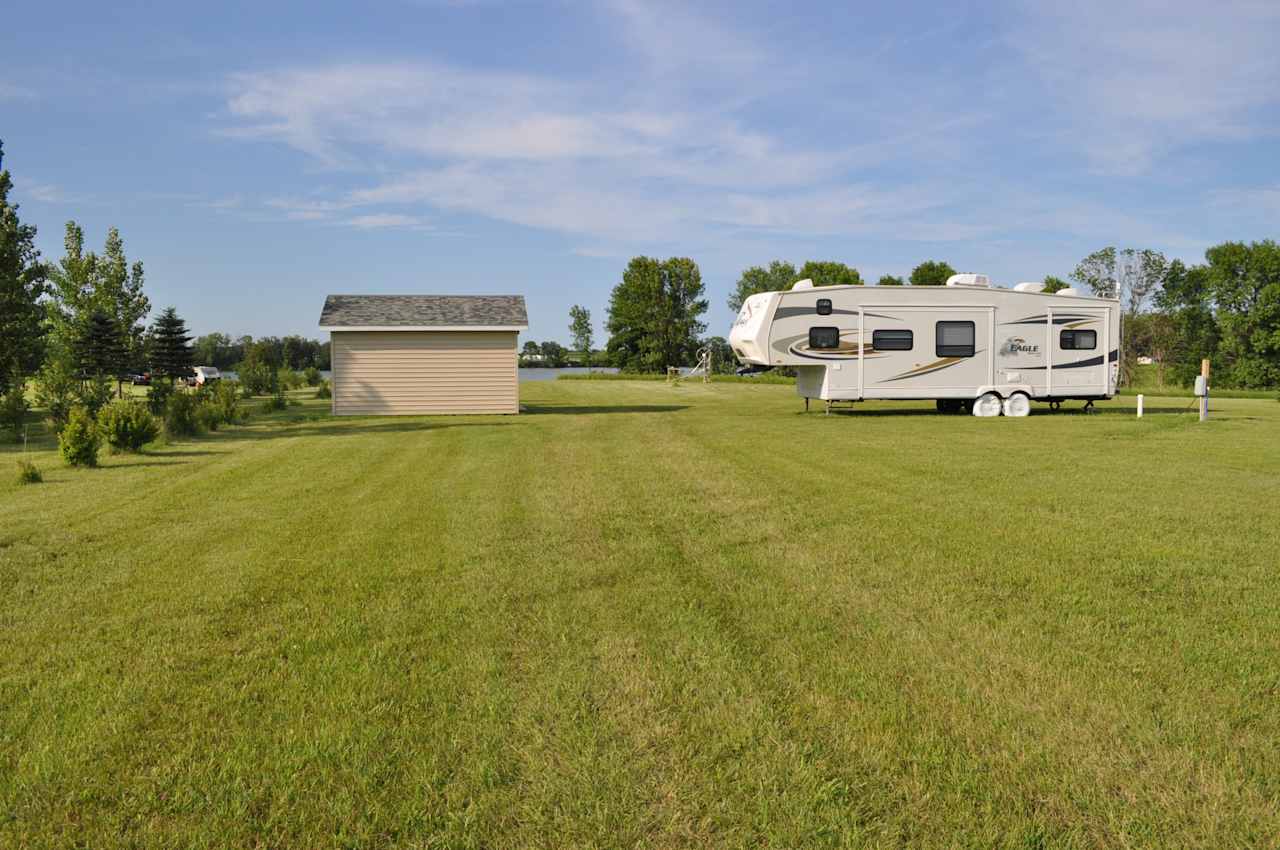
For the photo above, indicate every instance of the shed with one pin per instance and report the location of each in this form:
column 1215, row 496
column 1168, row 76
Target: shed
column 413, row 354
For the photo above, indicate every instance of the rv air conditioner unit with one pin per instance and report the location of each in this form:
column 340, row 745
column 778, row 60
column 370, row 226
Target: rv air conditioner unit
column 1070, row 292
column 803, row 284
column 1029, row 286
column 968, row 279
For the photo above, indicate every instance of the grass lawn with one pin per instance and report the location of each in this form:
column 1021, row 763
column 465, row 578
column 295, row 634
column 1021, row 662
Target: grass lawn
column 644, row 615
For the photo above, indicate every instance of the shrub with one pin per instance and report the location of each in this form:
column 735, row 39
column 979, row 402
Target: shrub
column 255, row 377
column 180, row 416
column 95, row 394
column 56, row 391
column 291, row 380
column 274, row 403
column 312, row 374
column 225, row 396
column 208, row 416
column 158, row 395
column 79, row 440
column 324, row 390
column 127, row 426
column 28, row 472
column 13, row 408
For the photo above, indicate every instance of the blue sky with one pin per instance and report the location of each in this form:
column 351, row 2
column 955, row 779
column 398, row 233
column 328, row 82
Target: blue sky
column 257, row 156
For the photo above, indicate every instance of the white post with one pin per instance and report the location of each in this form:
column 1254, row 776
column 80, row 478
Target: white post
column 1139, row 405
column 1204, row 399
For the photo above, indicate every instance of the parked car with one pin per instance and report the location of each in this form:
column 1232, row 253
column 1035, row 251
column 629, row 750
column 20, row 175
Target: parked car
column 142, row 379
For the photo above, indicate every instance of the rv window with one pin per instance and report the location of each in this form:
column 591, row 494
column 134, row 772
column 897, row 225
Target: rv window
column 824, row 337
column 955, row 339
column 891, row 340
column 824, row 306
column 1079, row 340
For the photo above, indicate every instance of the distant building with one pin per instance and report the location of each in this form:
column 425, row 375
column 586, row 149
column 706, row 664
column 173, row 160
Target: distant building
column 410, row 354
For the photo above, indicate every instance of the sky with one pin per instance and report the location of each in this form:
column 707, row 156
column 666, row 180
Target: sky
column 258, row 156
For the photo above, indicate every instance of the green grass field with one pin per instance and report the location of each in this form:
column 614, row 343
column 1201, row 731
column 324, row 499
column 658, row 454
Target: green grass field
column 644, row 615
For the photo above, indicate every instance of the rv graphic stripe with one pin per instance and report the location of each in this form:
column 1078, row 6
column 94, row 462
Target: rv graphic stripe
column 792, row 312
column 1057, row 319
column 1079, row 364
column 929, row 368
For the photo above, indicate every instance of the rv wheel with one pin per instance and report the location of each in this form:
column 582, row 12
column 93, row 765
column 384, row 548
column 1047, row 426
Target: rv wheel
column 987, row 404
column 1017, row 405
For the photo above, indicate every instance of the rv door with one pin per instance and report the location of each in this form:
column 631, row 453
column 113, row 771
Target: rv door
column 1082, row 351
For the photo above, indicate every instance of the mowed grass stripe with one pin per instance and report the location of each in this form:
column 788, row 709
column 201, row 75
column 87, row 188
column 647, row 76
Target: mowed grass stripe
column 659, row 616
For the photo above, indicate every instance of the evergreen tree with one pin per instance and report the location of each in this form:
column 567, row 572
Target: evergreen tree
column 22, row 283
column 99, row 349
column 170, row 346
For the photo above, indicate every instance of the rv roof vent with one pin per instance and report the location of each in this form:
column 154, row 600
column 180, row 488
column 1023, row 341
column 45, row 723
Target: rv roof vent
column 968, row 279
column 1070, row 291
column 1029, row 286
column 803, row 284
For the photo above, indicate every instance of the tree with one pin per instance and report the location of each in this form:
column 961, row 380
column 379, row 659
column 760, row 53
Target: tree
column 553, row 354
column 118, row 293
column 170, row 346
column 1244, row 283
column 531, row 350
column 889, row 280
column 580, row 329
column 931, row 273
column 213, row 349
column 1053, row 284
column 654, row 314
column 1185, row 298
column 22, row 283
column 723, row 361
column 830, row 273
column 777, row 277
column 85, row 282
column 1130, row 275
column 99, row 349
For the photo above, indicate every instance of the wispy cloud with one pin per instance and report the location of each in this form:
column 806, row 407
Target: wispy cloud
column 1135, row 80
column 678, row 145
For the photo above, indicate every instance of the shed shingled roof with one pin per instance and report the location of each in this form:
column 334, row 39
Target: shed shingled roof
column 412, row 311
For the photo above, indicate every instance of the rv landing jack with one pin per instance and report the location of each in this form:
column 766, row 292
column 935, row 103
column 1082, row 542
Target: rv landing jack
column 1088, row 406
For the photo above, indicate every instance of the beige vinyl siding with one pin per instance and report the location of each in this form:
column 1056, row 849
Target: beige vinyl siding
column 407, row 372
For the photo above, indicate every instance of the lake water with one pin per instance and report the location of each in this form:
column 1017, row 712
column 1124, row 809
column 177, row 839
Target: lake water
column 552, row 374
column 525, row 374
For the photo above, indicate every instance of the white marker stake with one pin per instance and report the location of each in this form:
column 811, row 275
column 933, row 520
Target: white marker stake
column 1139, row 405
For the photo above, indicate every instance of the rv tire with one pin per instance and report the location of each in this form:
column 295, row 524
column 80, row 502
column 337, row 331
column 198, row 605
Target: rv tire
column 1017, row 404
column 987, row 404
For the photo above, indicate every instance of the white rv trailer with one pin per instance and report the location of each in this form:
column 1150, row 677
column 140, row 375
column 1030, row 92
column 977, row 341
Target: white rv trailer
column 968, row 345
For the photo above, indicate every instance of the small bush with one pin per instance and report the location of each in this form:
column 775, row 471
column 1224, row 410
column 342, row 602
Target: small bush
column 158, row 396
column 225, row 396
column 13, row 409
column 79, row 440
column 208, row 416
column 28, row 472
column 127, row 426
column 275, row 403
column 180, row 416
column 255, row 377
column 291, row 380
column 95, row 394
column 324, row 390
column 312, row 374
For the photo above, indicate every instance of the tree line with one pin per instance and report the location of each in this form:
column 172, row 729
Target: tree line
column 1226, row 309
column 78, row 325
